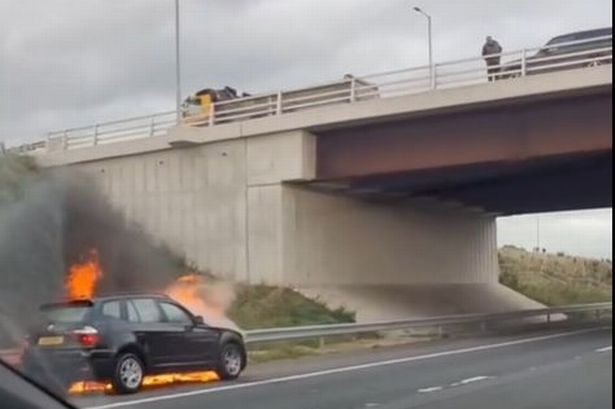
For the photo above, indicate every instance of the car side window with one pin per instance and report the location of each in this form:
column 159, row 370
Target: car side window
column 112, row 309
column 174, row 314
column 148, row 310
column 131, row 312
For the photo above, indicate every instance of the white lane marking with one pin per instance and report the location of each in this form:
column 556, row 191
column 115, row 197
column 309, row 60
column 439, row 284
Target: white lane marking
column 342, row 369
column 605, row 349
column 431, row 389
column 471, row 380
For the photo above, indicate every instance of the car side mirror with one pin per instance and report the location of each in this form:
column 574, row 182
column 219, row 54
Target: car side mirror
column 198, row 320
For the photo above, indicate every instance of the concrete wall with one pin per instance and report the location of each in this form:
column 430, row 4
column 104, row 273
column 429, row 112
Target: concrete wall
column 340, row 240
column 301, row 237
column 194, row 200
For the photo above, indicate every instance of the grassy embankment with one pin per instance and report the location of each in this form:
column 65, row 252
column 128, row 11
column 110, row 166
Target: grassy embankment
column 556, row 279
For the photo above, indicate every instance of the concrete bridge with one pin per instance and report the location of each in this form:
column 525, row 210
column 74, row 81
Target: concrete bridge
column 386, row 204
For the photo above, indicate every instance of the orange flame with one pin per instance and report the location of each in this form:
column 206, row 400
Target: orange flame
column 190, row 377
column 82, row 387
column 186, row 291
column 150, row 381
column 83, row 277
column 210, row 299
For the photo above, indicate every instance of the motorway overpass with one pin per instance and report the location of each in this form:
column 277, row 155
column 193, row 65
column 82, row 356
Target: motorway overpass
column 388, row 204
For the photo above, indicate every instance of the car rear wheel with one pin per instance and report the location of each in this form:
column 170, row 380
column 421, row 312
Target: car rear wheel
column 129, row 373
column 231, row 361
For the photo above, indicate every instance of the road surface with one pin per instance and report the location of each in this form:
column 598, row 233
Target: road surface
column 556, row 369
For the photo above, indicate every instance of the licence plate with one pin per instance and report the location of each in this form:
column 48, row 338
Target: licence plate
column 50, row 341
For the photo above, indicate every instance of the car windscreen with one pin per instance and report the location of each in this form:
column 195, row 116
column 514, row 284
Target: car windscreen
column 563, row 39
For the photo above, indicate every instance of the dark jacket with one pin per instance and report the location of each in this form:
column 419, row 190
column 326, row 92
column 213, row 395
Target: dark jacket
column 490, row 48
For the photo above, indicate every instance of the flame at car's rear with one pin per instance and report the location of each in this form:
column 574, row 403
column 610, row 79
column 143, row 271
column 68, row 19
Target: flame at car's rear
column 82, row 278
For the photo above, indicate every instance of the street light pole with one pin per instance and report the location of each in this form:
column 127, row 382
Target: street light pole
column 538, row 243
column 432, row 73
column 178, row 90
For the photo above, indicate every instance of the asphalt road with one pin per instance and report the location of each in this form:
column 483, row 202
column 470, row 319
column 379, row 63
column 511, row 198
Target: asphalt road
column 563, row 369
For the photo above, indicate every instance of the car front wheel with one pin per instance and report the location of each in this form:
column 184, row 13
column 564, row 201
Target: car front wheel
column 129, row 373
column 231, row 361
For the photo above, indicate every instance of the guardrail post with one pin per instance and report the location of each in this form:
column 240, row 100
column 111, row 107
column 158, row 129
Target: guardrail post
column 353, row 89
column 523, row 62
column 65, row 140
column 278, row 107
column 152, row 125
column 433, row 84
column 321, row 342
column 548, row 318
column 48, row 142
column 212, row 114
column 95, row 140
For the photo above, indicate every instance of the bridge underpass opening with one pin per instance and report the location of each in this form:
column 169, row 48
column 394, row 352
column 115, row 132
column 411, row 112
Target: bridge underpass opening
column 546, row 155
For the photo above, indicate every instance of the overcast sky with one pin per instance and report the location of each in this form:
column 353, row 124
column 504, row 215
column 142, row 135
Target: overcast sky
column 588, row 233
column 66, row 63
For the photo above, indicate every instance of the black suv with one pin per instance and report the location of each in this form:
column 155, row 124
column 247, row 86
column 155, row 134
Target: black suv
column 568, row 51
column 123, row 338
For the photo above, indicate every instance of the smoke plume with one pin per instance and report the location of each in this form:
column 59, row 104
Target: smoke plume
column 50, row 220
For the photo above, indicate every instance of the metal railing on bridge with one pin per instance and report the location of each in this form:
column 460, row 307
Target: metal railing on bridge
column 581, row 54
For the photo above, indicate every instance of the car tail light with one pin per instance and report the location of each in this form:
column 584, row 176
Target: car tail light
column 86, row 336
column 25, row 342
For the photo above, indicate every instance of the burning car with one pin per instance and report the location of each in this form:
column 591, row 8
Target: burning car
column 122, row 339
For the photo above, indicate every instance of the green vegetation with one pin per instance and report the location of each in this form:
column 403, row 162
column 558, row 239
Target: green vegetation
column 556, row 279
column 262, row 306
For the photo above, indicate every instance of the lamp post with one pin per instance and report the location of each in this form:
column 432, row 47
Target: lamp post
column 178, row 91
column 432, row 74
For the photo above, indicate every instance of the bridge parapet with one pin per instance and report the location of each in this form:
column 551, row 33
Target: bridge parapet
column 350, row 90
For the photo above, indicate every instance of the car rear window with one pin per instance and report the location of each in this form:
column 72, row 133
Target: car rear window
column 148, row 310
column 112, row 309
column 67, row 314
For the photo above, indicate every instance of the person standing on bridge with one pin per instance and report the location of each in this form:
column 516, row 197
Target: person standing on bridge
column 491, row 54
